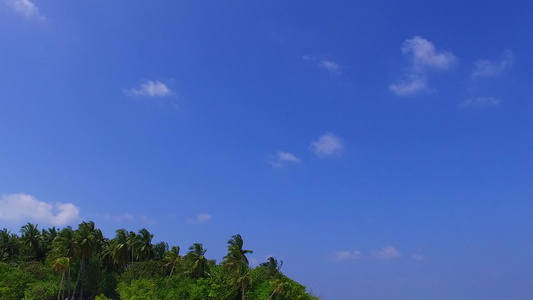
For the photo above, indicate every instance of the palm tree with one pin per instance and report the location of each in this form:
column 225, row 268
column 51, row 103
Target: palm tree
column 236, row 253
column 8, row 245
column 197, row 264
column 237, row 264
column 240, row 278
column 32, row 241
column 48, row 237
column 61, row 264
column 144, row 245
column 132, row 241
column 87, row 238
column 172, row 258
column 278, row 288
column 160, row 249
column 65, row 246
column 119, row 248
column 273, row 266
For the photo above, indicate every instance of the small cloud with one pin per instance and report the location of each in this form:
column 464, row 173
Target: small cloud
column 283, row 158
column 418, row 257
column 480, row 102
column 331, row 66
column 407, row 88
column 119, row 218
column 326, row 145
column 26, row 8
column 147, row 220
column 324, row 63
column 23, row 207
column 149, row 89
column 122, row 218
column 424, row 57
column 337, row 256
column 386, row 253
column 485, row 68
column 200, row 219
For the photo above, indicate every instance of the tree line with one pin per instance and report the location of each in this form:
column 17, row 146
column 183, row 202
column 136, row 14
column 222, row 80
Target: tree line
column 81, row 264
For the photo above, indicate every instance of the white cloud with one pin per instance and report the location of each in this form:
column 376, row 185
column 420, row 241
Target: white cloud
column 331, row 66
column 418, row 257
column 283, row 158
column 26, row 8
column 200, row 219
column 125, row 217
column 480, row 102
column 23, row 207
column 324, row 63
column 424, row 57
column 147, row 220
column 385, row 253
column 485, row 68
column 119, row 218
column 327, row 144
column 149, row 89
column 406, row 88
column 344, row 255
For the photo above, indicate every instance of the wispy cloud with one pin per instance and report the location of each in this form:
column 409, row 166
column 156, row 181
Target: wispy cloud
column 200, row 219
column 480, row 102
column 406, row 88
column 23, row 207
column 328, row 144
column 146, row 220
column 385, row 253
column 123, row 218
column 485, row 68
column 25, row 8
column 424, row 57
column 325, row 63
column 282, row 158
column 119, row 218
column 418, row 257
column 149, row 89
column 336, row 256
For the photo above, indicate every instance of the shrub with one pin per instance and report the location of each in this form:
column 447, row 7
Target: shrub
column 43, row 290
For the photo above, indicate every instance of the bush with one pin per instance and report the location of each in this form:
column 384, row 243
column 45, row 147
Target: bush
column 101, row 297
column 138, row 289
column 13, row 282
column 44, row 290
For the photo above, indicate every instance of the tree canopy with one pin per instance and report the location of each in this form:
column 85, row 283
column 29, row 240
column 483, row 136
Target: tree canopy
column 83, row 264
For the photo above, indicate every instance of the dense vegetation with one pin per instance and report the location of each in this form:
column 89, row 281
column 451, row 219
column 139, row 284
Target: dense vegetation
column 83, row 264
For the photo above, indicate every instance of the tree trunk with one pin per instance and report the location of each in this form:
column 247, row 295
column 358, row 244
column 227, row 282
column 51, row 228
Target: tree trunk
column 272, row 295
column 79, row 277
column 132, row 273
column 68, row 282
column 170, row 276
column 81, row 293
column 61, row 285
column 242, row 292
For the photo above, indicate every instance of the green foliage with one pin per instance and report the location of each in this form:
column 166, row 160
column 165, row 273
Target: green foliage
column 13, row 282
column 40, row 263
column 42, row 290
column 38, row 270
column 101, row 297
column 220, row 289
column 138, row 289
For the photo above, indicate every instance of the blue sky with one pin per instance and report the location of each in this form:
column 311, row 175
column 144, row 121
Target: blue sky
column 381, row 149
